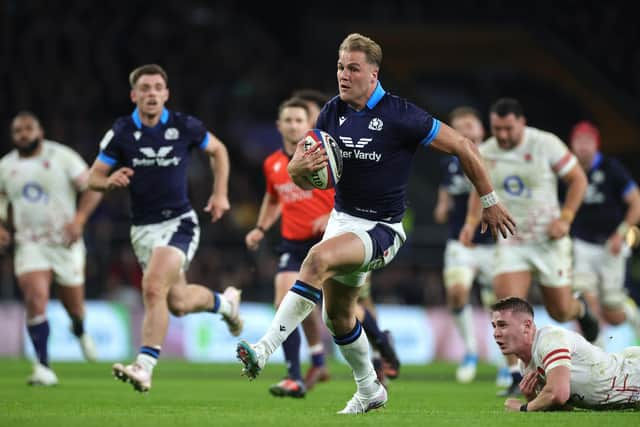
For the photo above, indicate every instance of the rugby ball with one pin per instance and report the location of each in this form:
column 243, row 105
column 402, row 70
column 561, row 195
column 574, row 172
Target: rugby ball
column 328, row 176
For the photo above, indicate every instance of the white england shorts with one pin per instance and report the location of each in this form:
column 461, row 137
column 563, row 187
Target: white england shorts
column 381, row 243
column 550, row 261
column 462, row 264
column 598, row 271
column 182, row 232
column 66, row 263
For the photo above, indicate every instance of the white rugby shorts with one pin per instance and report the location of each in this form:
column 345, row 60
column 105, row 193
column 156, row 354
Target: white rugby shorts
column 550, row 261
column 381, row 243
column 182, row 232
column 66, row 263
column 598, row 271
column 462, row 264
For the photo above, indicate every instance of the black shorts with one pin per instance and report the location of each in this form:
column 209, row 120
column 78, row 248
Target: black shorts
column 292, row 253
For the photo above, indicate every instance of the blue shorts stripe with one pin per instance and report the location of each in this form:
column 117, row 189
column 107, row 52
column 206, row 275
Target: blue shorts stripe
column 183, row 237
column 351, row 336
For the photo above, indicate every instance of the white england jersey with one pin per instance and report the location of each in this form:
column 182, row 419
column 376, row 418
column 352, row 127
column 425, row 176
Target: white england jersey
column 525, row 179
column 598, row 379
column 42, row 191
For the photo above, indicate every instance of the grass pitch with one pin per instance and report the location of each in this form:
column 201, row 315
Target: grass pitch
column 187, row 394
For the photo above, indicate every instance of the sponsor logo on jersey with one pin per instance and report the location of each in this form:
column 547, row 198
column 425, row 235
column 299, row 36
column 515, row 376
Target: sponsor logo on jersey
column 376, row 124
column 156, row 158
column 341, row 120
column 171, row 134
column 357, row 152
column 33, row 192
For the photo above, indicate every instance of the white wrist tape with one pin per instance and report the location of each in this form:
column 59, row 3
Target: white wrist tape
column 489, row 199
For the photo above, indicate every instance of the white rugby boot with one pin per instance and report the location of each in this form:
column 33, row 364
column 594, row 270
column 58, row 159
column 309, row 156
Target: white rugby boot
column 234, row 321
column 42, row 375
column 360, row 404
column 134, row 374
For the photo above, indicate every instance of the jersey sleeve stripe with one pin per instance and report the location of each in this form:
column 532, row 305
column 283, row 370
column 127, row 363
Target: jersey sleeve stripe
column 205, row 141
column 106, row 159
column 565, row 164
column 554, row 352
column 558, row 361
column 435, row 128
column 631, row 185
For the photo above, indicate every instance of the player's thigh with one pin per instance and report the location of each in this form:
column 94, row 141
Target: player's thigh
column 557, row 299
column 512, row 275
column 72, row 297
column 165, row 268
column 613, row 271
column 370, row 245
column 35, row 287
column 283, row 281
column 553, row 261
column 459, row 266
column 342, row 253
column 586, row 266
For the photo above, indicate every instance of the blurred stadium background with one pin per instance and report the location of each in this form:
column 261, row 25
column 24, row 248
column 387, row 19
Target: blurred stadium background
column 230, row 65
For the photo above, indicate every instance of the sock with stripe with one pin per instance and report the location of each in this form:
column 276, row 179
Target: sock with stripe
column 38, row 328
column 220, row 304
column 291, row 348
column 317, row 354
column 148, row 357
column 294, row 308
column 354, row 347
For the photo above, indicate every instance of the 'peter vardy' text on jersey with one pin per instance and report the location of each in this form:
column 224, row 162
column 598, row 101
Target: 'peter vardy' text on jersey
column 159, row 157
column 603, row 207
column 378, row 144
column 458, row 186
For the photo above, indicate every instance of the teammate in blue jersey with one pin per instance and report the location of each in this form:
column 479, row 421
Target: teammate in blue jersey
column 610, row 208
column 378, row 133
column 150, row 149
column 463, row 265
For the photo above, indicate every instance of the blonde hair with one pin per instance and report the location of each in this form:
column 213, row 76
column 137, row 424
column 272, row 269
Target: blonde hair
column 147, row 69
column 359, row 43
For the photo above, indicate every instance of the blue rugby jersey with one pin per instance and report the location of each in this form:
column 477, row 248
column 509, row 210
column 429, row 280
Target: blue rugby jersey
column 458, row 186
column 603, row 207
column 378, row 144
column 159, row 157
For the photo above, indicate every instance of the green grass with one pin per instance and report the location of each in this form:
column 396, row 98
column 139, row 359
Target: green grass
column 186, row 394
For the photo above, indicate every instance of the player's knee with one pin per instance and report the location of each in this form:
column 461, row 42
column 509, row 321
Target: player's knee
column 316, row 263
column 152, row 290
column 35, row 303
column 457, row 296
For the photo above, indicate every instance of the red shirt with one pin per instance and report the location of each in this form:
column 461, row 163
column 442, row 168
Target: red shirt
column 299, row 207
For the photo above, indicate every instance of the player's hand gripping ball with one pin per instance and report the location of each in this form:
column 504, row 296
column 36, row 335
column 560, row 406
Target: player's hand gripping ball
column 328, row 176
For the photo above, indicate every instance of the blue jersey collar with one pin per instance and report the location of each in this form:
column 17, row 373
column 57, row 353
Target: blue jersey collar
column 597, row 159
column 135, row 116
column 376, row 96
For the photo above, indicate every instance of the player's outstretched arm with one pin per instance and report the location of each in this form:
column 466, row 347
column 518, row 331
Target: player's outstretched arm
column 268, row 215
column 101, row 180
column 554, row 394
column 303, row 163
column 494, row 215
column 218, row 203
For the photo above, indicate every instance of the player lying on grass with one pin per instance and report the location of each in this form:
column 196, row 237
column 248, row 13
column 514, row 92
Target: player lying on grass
column 561, row 370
